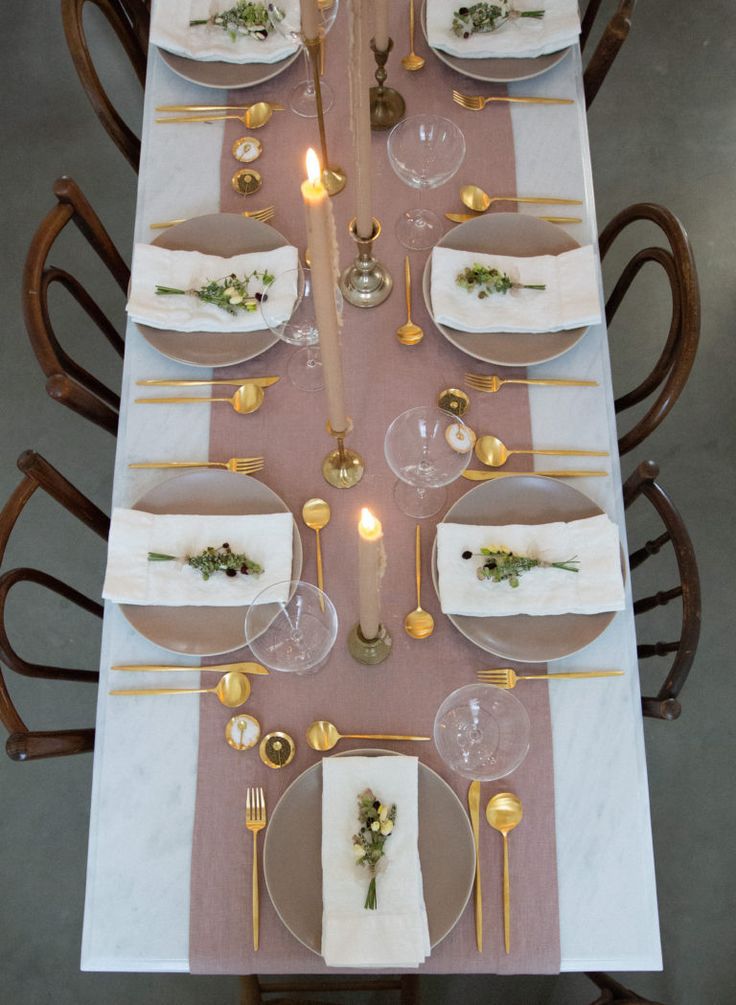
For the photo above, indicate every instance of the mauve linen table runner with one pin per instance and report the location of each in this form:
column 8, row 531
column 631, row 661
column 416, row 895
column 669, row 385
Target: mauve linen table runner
column 382, row 379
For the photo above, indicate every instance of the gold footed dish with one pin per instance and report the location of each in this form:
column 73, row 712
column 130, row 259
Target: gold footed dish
column 369, row 651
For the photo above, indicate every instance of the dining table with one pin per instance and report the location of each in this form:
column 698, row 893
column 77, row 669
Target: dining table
column 169, row 858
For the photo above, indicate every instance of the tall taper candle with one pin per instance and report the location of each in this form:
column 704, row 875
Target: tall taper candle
column 371, row 566
column 322, row 245
column 360, row 114
column 380, row 32
column 310, row 18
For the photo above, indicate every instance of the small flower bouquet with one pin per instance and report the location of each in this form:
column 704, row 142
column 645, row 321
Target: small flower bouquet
column 484, row 281
column 245, row 18
column 213, row 560
column 484, row 17
column 376, row 824
column 231, row 294
column 500, row 564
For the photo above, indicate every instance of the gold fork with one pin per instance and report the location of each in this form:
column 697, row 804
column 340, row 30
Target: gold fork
column 476, row 103
column 264, row 215
column 255, row 820
column 491, row 383
column 507, row 679
column 239, row 465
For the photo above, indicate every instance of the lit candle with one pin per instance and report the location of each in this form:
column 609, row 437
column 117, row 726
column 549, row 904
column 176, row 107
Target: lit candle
column 310, row 18
column 371, row 566
column 381, row 31
column 322, row 244
column 360, row 112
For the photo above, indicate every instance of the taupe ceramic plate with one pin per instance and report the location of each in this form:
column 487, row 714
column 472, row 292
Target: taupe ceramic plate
column 224, row 234
column 292, row 854
column 524, row 637
column 506, row 234
column 211, row 73
column 499, row 71
column 205, row 631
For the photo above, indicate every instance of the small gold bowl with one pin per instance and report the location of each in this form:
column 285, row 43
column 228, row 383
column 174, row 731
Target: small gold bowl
column 247, row 181
column 247, row 149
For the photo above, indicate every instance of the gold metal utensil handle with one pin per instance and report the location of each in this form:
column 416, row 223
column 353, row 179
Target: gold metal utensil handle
column 381, row 736
column 255, row 905
column 252, row 668
column 571, row 676
column 238, row 382
column 506, row 896
column 538, row 381
column 407, row 288
column 275, row 107
column 201, row 118
column 537, row 200
column 487, row 476
column 174, row 401
column 531, row 101
column 464, row 217
column 181, row 464
column 563, row 453
column 165, row 690
column 164, row 224
column 474, row 809
column 418, row 563
column 320, row 570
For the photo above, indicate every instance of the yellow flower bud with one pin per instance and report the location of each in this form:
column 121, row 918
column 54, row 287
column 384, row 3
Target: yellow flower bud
column 387, row 826
column 375, row 825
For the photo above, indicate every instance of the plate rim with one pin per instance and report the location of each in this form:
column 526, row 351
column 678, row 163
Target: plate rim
column 167, row 56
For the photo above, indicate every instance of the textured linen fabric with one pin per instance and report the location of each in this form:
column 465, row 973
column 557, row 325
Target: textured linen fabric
column 520, row 38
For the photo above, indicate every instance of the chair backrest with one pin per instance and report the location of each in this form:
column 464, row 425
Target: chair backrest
column 24, row 744
column 255, row 992
column 613, row 37
column 615, row 993
column 129, row 19
column 39, row 277
column 642, row 482
column 672, row 369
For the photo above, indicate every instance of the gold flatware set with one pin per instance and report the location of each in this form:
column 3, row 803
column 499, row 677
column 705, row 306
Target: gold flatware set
column 491, row 451
column 504, row 812
column 252, row 116
column 232, row 690
column 418, row 624
column 507, row 679
column 479, row 201
column 412, row 62
column 490, row 383
column 476, row 102
column 248, row 398
column 248, row 668
column 255, row 821
column 238, row 465
column 474, row 812
column 473, row 475
column 464, row 217
column 265, row 215
column 323, row 735
column 316, row 515
column 408, row 333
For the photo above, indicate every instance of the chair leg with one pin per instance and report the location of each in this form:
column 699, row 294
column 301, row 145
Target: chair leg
column 410, row 989
column 250, row 991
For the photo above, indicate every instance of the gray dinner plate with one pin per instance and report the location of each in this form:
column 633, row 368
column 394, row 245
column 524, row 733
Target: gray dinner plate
column 211, row 73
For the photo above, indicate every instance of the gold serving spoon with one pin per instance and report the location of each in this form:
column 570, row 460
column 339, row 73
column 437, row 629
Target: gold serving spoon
column 246, row 399
column 409, row 333
column 253, row 118
column 418, row 623
column 323, row 735
column 316, row 515
column 412, row 61
column 252, row 668
column 232, row 690
column 479, row 201
column 491, row 451
column 503, row 813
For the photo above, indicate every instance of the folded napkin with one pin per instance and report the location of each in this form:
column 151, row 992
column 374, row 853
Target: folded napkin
column 170, row 30
column 396, row 933
column 597, row 586
column 519, row 38
column 571, row 298
column 131, row 579
column 189, row 270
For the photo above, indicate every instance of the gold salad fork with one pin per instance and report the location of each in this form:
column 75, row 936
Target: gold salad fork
column 507, row 679
column 238, row 465
column 476, row 103
column 265, row 215
column 491, row 383
column 255, row 820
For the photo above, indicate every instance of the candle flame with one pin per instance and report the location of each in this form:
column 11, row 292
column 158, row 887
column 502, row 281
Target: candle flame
column 313, row 170
column 368, row 522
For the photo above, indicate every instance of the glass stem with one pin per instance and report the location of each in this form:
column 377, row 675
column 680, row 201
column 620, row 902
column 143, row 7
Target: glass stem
column 313, row 356
column 309, row 87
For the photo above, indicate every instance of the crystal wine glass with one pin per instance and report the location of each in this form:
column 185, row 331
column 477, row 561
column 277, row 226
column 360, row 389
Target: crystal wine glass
column 425, row 151
column 419, row 454
column 294, row 635
column 288, row 22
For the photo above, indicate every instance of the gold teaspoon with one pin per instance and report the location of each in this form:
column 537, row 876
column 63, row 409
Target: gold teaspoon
column 254, row 117
column 246, row 399
column 479, row 201
column 412, row 61
column 409, row 333
column 419, row 624
column 232, row 690
column 323, row 735
column 316, row 515
column 491, row 451
column 503, row 813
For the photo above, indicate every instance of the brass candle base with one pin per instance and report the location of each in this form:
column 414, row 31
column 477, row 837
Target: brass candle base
column 367, row 282
column 387, row 105
column 369, row 651
column 342, row 468
column 333, row 178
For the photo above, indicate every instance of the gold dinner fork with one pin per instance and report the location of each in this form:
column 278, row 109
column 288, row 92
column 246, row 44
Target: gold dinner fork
column 476, row 103
column 238, row 465
column 265, row 215
column 491, row 383
column 507, row 679
column 255, row 820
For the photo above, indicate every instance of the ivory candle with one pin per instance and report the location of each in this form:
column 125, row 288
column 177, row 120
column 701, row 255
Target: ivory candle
column 323, row 256
column 310, row 18
column 380, row 33
column 371, row 565
column 360, row 113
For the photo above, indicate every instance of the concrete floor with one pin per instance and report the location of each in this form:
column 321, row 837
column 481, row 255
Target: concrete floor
column 662, row 129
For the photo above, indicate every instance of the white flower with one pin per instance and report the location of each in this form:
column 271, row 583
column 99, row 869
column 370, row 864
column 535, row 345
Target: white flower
column 382, row 812
column 387, row 826
column 359, row 852
column 230, row 291
column 375, row 825
column 237, row 299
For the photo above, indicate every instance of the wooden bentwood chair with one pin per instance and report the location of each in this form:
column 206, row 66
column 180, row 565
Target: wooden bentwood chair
column 129, row 19
column 672, row 369
column 615, row 993
column 643, row 482
column 254, row 992
column 24, row 744
column 68, row 382
column 613, row 37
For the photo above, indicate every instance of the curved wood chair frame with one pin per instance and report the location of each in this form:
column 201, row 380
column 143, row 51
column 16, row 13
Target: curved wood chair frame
column 69, row 382
column 672, row 369
column 615, row 993
column 643, row 482
column 129, row 19
column 613, row 37
column 252, row 992
column 24, row 744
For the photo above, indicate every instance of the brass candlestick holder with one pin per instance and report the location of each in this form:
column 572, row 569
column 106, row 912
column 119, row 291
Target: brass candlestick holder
column 369, row 651
column 387, row 105
column 367, row 282
column 342, row 468
column 333, row 178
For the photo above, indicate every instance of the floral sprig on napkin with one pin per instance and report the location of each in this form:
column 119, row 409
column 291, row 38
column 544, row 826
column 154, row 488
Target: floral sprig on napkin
column 231, row 294
column 245, row 18
column 376, row 824
column 501, row 564
column 484, row 17
column 213, row 560
column 484, row 281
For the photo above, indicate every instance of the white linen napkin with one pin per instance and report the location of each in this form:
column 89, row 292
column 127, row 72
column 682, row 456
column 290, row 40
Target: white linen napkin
column 522, row 38
column 189, row 270
column 396, row 934
column 571, row 298
column 131, row 579
column 170, row 30
column 597, row 586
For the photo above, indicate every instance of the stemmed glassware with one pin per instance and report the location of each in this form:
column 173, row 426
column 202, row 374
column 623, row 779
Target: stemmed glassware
column 419, row 454
column 425, row 151
column 294, row 635
column 288, row 23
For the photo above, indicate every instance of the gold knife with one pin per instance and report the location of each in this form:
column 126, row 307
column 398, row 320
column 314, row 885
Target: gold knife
column 252, row 668
column 464, row 217
column 474, row 475
column 474, row 807
column 237, row 382
column 275, row 107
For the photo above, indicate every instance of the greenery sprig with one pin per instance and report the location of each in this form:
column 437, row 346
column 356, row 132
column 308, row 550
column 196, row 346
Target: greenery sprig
column 484, row 281
column 376, row 824
column 484, row 17
column 245, row 18
column 213, row 560
column 500, row 564
column 231, row 294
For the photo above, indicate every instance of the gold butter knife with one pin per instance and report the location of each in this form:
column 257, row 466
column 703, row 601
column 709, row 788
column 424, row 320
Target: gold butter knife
column 252, row 668
column 464, row 217
column 474, row 808
column 236, row 382
column 474, row 475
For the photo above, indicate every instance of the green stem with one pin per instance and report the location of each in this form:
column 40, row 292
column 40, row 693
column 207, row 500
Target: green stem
column 164, row 290
column 155, row 556
column 531, row 286
column 371, row 901
column 531, row 13
column 205, row 20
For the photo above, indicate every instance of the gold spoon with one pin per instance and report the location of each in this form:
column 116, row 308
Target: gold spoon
column 323, row 735
column 491, row 451
column 412, row 61
column 479, row 201
column 409, row 333
column 419, row 624
column 316, row 514
column 232, row 690
column 246, row 399
column 503, row 813
column 253, row 118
